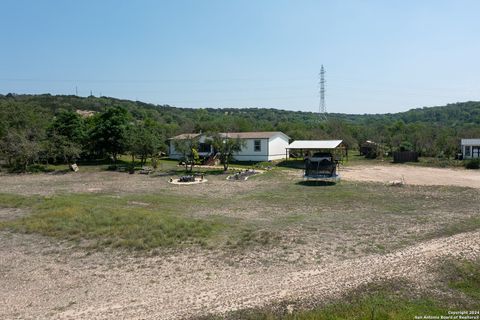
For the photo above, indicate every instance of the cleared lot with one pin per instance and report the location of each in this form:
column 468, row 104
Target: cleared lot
column 414, row 175
column 269, row 239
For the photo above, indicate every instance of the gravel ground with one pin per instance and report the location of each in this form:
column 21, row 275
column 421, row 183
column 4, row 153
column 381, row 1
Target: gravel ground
column 106, row 182
column 40, row 279
column 413, row 175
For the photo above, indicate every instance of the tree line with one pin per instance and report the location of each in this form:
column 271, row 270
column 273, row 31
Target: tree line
column 48, row 129
column 27, row 137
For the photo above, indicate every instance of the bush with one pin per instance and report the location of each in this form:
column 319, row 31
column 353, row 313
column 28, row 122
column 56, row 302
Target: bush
column 374, row 153
column 473, row 164
column 32, row 168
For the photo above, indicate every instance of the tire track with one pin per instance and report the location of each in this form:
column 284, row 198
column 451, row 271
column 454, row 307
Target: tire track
column 61, row 286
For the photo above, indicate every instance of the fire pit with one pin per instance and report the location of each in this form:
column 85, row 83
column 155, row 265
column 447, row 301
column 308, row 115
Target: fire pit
column 188, row 179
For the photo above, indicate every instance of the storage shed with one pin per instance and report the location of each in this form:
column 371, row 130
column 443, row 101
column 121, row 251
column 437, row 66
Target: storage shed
column 470, row 148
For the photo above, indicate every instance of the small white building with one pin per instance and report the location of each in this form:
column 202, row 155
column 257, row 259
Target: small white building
column 470, row 148
column 259, row 146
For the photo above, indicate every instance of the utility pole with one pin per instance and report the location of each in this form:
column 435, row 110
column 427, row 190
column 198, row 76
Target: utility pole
column 76, row 91
column 322, row 107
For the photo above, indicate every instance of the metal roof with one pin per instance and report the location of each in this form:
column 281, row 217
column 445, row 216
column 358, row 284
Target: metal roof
column 314, row 144
column 241, row 135
column 470, row 142
column 184, row 136
column 254, row 135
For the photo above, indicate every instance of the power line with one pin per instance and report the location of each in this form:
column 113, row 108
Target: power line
column 141, row 81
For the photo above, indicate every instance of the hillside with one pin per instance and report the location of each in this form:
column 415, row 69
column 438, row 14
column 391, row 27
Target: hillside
column 455, row 114
column 433, row 131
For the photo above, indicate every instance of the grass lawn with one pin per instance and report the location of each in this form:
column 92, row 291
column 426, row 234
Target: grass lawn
column 267, row 210
column 106, row 220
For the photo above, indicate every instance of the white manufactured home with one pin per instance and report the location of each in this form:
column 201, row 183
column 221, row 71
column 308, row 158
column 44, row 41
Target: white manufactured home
column 258, row 146
column 470, row 148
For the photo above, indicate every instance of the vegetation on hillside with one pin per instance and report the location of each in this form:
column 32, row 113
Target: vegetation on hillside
column 57, row 129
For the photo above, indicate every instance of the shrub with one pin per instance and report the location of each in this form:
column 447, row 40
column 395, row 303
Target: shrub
column 374, row 153
column 473, row 164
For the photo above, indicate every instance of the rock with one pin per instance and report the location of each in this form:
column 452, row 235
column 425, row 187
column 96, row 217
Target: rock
column 397, row 183
column 290, row 308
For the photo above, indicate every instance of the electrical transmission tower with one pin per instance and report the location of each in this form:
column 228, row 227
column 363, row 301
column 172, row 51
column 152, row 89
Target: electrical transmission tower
column 323, row 108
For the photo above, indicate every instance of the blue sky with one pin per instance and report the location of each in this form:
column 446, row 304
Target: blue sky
column 380, row 56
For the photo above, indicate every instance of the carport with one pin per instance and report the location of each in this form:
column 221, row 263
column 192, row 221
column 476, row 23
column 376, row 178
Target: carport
column 309, row 147
column 321, row 158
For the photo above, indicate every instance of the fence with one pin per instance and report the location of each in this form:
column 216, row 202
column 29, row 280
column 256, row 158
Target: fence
column 405, row 156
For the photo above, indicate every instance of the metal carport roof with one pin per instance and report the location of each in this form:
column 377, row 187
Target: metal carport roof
column 314, row 144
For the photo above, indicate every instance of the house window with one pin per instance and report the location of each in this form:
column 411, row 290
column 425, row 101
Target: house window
column 257, row 145
column 203, row 147
column 476, row 152
column 467, row 151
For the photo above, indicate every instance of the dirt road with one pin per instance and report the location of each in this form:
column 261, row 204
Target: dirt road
column 413, row 175
column 42, row 280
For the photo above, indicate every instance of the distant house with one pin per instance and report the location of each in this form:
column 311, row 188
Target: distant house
column 85, row 113
column 259, row 146
column 470, row 148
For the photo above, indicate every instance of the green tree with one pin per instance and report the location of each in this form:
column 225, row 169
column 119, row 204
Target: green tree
column 60, row 149
column 109, row 134
column 446, row 144
column 70, row 125
column 65, row 137
column 20, row 149
column 397, row 135
column 188, row 149
column 226, row 147
column 22, row 129
column 405, row 146
column 145, row 140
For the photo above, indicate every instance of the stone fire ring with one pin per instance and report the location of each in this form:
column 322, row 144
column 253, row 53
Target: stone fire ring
column 197, row 181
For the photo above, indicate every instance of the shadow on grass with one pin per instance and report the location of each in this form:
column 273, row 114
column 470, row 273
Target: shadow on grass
column 317, row 183
column 214, row 172
column 195, row 172
column 158, row 174
column 292, row 163
column 60, row 172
